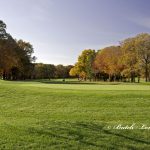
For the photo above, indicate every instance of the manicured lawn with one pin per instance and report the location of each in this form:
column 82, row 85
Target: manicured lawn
column 71, row 115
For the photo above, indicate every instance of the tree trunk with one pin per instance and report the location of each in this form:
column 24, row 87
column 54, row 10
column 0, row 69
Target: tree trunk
column 138, row 79
column 146, row 73
column 109, row 78
column 4, row 75
column 115, row 78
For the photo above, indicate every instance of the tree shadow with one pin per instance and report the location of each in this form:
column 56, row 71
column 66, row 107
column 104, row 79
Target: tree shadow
column 74, row 82
column 90, row 135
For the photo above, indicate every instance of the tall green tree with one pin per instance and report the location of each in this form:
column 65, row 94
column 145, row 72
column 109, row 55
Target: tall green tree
column 15, row 56
column 8, row 56
column 84, row 66
column 130, row 59
column 25, row 51
column 2, row 30
column 142, row 44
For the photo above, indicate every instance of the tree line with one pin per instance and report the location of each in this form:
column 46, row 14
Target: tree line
column 50, row 71
column 18, row 63
column 128, row 61
column 15, row 56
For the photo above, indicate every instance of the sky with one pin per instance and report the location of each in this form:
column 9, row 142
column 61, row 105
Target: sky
column 60, row 29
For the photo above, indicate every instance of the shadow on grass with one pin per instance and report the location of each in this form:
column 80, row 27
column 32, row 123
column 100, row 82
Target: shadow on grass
column 75, row 82
column 89, row 136
column 53, row 81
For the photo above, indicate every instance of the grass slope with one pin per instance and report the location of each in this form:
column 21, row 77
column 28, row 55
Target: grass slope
column 43, row 115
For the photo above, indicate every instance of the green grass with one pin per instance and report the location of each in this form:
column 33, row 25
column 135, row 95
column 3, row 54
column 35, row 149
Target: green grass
column 73, row 115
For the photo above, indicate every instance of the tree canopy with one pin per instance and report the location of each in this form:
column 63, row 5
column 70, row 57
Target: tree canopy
column 125, row 62
column 129, row 60
column 15, row 56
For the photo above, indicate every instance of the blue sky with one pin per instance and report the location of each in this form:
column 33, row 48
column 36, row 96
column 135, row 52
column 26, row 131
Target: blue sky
column 60, row 29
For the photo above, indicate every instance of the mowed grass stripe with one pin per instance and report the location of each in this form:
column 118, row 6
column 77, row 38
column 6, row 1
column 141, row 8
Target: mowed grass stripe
column 37, row 115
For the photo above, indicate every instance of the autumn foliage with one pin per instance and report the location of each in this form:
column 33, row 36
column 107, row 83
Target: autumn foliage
column 125, row 62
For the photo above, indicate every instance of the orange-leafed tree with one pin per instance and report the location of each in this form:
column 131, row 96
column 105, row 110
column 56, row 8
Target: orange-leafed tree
column 108, row 61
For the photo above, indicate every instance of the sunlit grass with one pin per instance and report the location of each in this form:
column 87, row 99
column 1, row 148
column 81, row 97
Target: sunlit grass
column 56, row 115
